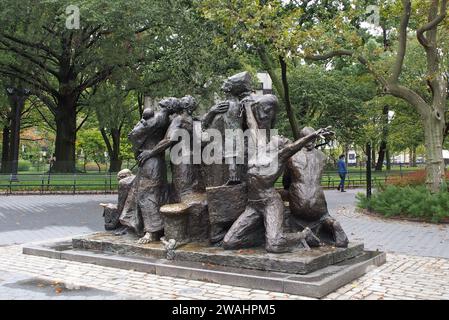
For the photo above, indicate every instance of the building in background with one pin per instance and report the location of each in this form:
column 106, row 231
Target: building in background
column 264, row 85
column 446, row 156
column 352, row 158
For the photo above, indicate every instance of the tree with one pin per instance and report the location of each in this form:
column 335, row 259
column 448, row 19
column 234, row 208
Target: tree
column 91, row 143
column 114, row 107
column 273, row 31
column 62, row 65
column 431, row 107
column 5, row 121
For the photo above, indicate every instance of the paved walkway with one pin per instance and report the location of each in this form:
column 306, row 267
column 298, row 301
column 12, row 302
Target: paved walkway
column 416, row 266
column 414, row 238
column 32, row 218
column 32, row 277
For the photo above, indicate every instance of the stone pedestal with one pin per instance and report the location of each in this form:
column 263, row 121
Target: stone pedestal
column 111, row 216
column 226, row 204
column 175, row 221
column 313, row 273
column 188, row 220
column 298, row 261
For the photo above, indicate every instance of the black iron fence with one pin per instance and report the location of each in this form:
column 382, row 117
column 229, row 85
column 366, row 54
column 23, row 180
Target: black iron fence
column 52, row 183
column 36, row 183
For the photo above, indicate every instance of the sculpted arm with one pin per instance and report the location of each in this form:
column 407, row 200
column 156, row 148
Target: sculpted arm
column 168, row 141
column 291, row 148
column 209, row 117
column 251, row 121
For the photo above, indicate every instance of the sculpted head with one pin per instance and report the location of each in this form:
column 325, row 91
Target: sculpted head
column 171, row 104
column 238, row 84
column 264, row 109
column 304, row 133
column 148, row 113
column 125, row 173
column 189, row 104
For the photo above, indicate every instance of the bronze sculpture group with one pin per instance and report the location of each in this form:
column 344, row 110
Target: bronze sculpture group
column 231, row 204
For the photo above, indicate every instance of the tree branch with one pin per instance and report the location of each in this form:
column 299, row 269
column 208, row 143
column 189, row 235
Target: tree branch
column 27, row 77
column 39, row 46
column 106, row 140
column 397, row 68
column 344, row 52
column 430, row 25
column 82, row 123
column 30, row 58
column 98, row 77
column 411, row 97
column 389, row 86
column 331, row 54
column 46, row 120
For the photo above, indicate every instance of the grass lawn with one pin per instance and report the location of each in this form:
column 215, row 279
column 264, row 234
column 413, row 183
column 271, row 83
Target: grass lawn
column 59, row 182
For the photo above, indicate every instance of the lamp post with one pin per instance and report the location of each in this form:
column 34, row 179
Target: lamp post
column 17, row 97
column 368, row 170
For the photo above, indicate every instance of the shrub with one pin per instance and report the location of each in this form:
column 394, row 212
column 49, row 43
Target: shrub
column 414, row 178
column 414, row 202
column 24, row 165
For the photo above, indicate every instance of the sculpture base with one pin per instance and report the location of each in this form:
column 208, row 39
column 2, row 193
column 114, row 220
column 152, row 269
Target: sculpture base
column 296, row 262
column 102, row 249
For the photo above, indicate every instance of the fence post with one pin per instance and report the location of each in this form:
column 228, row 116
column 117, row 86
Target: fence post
column 74, row 183
column 368, row 170
column 48, row 179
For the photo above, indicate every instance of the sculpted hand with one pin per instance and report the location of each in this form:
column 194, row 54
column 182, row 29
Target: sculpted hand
column 325, row 132
column 222, row 107
column 143, row 157
column 249, row 100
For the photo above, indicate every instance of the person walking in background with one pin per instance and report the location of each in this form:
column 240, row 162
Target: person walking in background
column 342, row 172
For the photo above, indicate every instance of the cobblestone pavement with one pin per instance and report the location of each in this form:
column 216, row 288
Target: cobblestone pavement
column 416, row 267
column 402, row 277
column 414, row 238
column 104, row 282
column 33, row 218
column 32, row 277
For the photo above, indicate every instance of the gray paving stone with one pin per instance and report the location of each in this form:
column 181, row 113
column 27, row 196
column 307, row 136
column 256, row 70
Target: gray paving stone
column 417, row 266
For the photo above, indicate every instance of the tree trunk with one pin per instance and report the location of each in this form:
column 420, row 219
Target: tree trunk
column 373, row 156
column 17, row 101
column 98, row 165
column 278, row 85
column 113, row 149
column 413, row 156
column 433, row 137
column 5, row 168
column 387, row 155
column 287, row 102
column 65, row 136
column 381, row 155
column 116, row 161
column 383, row 142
